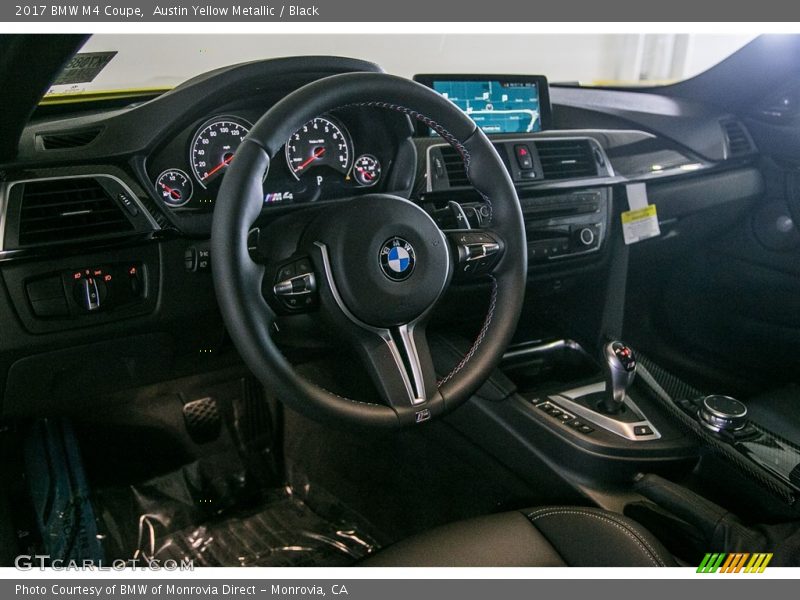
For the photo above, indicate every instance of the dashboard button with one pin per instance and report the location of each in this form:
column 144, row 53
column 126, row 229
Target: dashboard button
column 51, row 307
column 523, row 154
column 129, row 204
column 45, row 289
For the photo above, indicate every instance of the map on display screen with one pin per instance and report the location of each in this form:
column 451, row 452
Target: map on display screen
column 495, row 106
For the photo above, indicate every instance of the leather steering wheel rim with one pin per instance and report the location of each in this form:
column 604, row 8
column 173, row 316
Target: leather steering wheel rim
column 238, row 279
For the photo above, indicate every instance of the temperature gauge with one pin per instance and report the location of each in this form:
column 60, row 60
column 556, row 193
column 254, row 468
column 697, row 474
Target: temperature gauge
column 174, row 187
column 367, row 170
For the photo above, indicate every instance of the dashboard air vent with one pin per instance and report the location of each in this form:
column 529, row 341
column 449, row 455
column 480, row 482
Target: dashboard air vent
column 60, row 210
column 68, row 139
column 566, row 159
column 454, row 166
column 737, row 138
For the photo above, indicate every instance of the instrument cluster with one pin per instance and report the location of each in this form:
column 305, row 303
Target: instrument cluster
column 332, row 156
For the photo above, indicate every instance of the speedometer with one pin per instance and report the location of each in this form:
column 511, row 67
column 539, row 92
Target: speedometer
column 320, row 142
column 214, row 146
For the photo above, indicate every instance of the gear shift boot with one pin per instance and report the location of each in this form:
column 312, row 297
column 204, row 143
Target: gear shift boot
column 608, row 405
column 597, row 401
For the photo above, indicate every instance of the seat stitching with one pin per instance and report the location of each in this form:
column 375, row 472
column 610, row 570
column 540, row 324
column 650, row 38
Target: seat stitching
column 622, row 526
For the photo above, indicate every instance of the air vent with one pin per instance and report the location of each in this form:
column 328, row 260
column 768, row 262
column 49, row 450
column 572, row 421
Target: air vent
column 566, row 159
column 737, row 139
column 454, row 166
column 68, row 139
column 61, row 210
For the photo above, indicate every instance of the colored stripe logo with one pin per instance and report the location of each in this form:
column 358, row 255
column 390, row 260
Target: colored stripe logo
column 735, row 562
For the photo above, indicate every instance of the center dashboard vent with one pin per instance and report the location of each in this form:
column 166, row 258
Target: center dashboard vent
column 566, row 159
column 737, row 138
column 68, row 139
column 558, row 159
column 62, row 210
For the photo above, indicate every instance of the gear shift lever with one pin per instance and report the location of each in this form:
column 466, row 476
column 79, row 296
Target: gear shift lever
column 619, row 365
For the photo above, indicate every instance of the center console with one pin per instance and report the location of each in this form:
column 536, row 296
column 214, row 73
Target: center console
column 563, row 179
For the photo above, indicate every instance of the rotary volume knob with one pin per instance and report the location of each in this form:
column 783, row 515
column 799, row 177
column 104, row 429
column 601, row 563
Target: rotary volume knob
column 722, row 413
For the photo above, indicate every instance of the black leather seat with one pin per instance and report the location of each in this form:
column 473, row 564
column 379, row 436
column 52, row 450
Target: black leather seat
column 555, row 536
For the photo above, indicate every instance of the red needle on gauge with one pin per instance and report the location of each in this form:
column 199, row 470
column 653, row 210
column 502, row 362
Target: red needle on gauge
column 365, row 174
column 317, row 154
column 224, row 163
column 172, row 192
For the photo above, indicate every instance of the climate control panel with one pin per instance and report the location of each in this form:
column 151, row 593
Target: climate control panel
column 569, row 224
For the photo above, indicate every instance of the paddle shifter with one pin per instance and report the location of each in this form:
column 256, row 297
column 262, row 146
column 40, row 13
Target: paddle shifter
column 619, row 365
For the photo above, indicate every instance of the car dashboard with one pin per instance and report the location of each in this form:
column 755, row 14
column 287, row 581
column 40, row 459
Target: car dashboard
column 106, row 213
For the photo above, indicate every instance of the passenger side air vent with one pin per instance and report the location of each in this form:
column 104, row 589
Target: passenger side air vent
column 737, row 139
column 454, row 166
column 68, row 139
column 566, row 159
column 61, row 210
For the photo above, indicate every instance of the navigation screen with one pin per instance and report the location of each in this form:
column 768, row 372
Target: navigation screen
column 496, row 107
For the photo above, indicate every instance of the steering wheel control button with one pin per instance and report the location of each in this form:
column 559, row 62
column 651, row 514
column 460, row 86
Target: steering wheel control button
column 722, row 413
column 477, row 252
column 398, row 259
column 296, row 285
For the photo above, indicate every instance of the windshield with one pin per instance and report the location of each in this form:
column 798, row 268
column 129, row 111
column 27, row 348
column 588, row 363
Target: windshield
column 114, row 63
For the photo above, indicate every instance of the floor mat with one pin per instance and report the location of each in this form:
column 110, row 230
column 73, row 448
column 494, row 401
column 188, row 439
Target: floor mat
column 205, row 514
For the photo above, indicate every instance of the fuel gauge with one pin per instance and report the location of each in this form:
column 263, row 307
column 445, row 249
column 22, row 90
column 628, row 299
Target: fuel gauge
column 367, row 170
column 174, row 187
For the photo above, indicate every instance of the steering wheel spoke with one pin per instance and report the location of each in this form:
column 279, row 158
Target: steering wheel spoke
column 475, row 252
column 400, row 365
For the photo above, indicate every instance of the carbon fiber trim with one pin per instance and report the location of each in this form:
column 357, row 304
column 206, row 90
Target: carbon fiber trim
column 667, row 388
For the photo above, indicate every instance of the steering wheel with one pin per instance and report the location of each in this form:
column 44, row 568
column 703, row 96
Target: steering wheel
column 374, row 265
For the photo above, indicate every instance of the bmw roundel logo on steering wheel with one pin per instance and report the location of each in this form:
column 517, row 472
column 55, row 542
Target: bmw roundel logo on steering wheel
column 397, row 259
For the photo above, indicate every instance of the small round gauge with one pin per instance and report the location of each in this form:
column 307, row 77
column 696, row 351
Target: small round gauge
column 367, row 170
column 174, row 187
column 214, row 146
column 320, row 142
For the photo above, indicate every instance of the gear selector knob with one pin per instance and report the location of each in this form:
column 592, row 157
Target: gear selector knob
column 619, row 364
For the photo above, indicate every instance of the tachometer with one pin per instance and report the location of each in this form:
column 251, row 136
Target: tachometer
column 320, row 142
column 214, row 146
